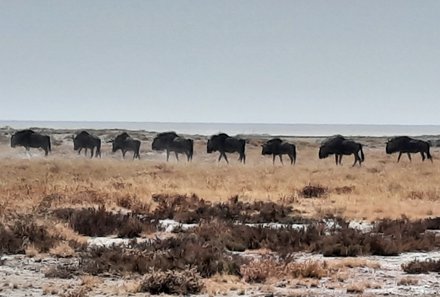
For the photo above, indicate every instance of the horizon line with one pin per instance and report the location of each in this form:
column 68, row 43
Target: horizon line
column 222, row 123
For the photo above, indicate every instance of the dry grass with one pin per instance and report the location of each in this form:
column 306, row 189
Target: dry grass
column 380, row 189
column 408, row 281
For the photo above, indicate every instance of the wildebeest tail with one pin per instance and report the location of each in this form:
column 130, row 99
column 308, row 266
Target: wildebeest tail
column 428, row 153
column 294, row 154
column 48, row 144
column 362, row 153
column 191, row 148
column 98, row 148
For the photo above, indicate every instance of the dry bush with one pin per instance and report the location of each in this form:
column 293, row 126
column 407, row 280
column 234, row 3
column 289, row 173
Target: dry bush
column 308, row 269
column 99, row 222
column 169, row 254
column 77, row 292
column 61, row 271
column 356, row 289
column 192, row 209
column 408, row 281
column 418, row 267
column 314, row 191
column 24, row 232
column 352, row 263
column 133, row 203
column 185, row 282
column 62, row 250
column 344, row 190
column 258, row 271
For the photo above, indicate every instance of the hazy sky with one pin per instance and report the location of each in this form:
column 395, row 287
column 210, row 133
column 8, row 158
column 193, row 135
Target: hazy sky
column 221, row 61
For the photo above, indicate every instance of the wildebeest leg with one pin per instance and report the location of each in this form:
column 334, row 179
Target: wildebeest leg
column 291, row 159
column 177, row 156
column 93, row 151
column 281, row 159
column 340, row 160
column 225, row 157
column 123, row 154
column 79, row 151
column 398, row 158
column 168, row 155
column 356, row 159
column 409, row 156
column 273, row 159
column 423, row 156
column 336, row 159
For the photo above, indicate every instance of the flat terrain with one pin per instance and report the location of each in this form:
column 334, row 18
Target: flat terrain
column 39, row 189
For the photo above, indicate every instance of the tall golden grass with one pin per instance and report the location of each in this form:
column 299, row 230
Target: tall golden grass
column 381, row 188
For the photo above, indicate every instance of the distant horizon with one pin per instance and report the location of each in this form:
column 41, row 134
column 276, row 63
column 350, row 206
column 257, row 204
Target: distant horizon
column 218, row 122
column 210, row 128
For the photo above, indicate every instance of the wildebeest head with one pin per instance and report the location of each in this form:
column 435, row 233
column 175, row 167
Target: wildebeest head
column 162, row 140
column 21, row 137
column 209, row 146
column 323, row 152
column 391, row 147
column 216, row 142
column 265, row 149
column 14, row 141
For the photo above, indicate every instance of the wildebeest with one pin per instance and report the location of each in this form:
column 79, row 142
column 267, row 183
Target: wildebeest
column 31, row 139
column 339, row 146
column 405, row 144
column 277, row 147
column 125, row 143
column 171, row 142
column 223, row 143
column 84, row 140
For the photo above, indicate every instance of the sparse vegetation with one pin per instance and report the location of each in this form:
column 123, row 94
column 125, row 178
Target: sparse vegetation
column 184, row 282
column 418, row 267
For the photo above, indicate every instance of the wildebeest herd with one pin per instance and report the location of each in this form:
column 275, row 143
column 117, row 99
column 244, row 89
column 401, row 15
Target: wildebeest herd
column 223, row 143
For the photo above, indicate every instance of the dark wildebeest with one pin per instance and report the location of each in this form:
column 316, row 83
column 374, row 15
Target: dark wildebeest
column 405, row 144
column 223, row 143
column 277, row 147
column 339, row 146
column 30, row 139
column 125, row 143
column 171, row 142
column 84, row 140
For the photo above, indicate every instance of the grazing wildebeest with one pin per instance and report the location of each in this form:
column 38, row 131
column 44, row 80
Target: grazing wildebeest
column 339, row 146
column 405, row 144
column 84, row 140
column 125, row 143
column 30, row 139
column 277, row 147
column 223, row 143
column 171, row 142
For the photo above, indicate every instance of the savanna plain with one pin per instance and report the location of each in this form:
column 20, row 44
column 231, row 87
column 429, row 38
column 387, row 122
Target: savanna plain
column 75, row 226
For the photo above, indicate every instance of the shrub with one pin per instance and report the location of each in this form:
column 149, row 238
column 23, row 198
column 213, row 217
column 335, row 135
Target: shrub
column 313, row 191
column 418, row 267
column 185, row 282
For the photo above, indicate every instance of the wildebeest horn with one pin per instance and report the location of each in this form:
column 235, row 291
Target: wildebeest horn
column 111, row 141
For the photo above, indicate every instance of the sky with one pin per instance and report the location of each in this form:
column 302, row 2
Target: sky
column 246, row 61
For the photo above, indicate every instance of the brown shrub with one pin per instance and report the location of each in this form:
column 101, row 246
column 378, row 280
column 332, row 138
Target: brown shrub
column 192, row 209
column 314, row 191
column 99, row 222
column 185, row 282
column 418, row 267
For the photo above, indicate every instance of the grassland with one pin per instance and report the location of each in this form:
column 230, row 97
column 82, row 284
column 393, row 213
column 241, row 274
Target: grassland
column 50, row 207
column 379, row 189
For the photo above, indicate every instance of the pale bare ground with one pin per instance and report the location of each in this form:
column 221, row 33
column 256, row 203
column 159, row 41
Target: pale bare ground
column 381, row 188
